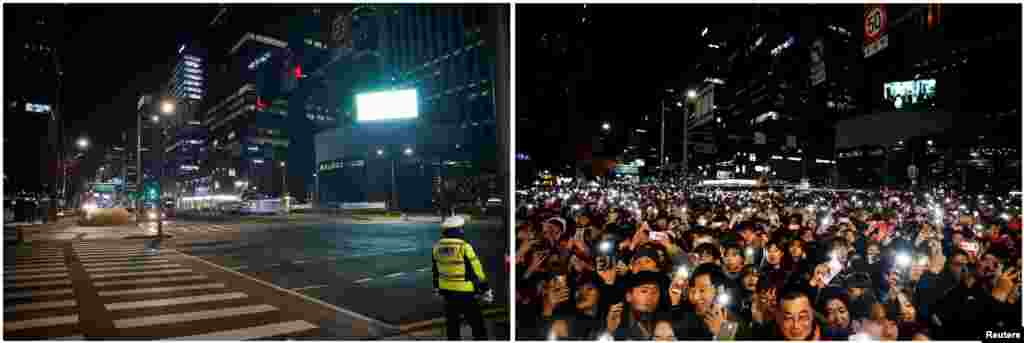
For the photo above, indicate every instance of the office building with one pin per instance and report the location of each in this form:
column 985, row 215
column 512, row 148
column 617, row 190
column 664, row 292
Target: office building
column 446, row 54
column 32, row 97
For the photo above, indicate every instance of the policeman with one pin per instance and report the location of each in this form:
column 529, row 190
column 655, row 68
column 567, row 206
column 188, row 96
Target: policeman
column 459, row 278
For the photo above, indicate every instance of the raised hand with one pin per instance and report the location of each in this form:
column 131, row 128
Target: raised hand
column 614, row 317
column 714, row 319
column 1005, row 284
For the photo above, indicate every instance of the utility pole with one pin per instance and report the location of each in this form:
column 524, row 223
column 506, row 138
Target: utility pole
column 138, row 162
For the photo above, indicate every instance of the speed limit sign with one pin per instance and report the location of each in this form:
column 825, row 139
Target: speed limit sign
column 875, row 25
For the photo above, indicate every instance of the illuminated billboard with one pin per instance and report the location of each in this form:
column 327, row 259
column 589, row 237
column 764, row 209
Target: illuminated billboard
column 389, row 105
column 910, row 95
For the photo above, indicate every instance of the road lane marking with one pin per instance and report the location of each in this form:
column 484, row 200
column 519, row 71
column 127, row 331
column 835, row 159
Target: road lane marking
column 103, row 264
column 34, row 276
column 394, row 275
column 253, row 332
column 40, row 306
column 239, row 267
column 274, row 265
column 140, row 267
column 364, row 280
column 191, row 316
column 161, row 289
column 174, row 301
column 309, row 287
column 423, row 269
column 38, row 323
column 157, row 272
column 29, row 294
column 38, row 284
column 147, row 281
column 300, row 261
column 36, row 270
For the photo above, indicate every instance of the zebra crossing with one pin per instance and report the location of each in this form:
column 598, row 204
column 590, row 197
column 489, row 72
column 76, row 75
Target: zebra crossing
column 181, row 228
column 39, row 299
column 144, row 293
column 158, row 294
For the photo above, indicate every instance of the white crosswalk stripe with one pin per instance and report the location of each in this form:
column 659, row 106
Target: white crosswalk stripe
column 149, row 281
column 40, row 306
column 192, row 316
column 254, row 332
column 33, row 265
column 141, row 273
column 11, row 326
column 29, row 294
column 34, row 276
column 135, row 267
column 36, row 270
column 37, row 283
column 174, row 301
column 162, row 289
column 125, row 263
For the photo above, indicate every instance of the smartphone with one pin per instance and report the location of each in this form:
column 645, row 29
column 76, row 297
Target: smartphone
column 970, row 248
column 605, row 263
column 657, row 236
column 581, row 234
column 834, row 267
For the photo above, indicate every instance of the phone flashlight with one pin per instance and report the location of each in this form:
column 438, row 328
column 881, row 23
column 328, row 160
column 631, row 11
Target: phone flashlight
column 683, row 272
column 723, row 297
column 606, row 246
column 903, row 260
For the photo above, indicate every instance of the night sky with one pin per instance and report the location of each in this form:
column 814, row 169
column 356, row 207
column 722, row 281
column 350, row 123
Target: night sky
column 115, row 53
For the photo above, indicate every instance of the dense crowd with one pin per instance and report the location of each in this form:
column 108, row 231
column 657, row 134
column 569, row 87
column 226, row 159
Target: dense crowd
column 656, row 261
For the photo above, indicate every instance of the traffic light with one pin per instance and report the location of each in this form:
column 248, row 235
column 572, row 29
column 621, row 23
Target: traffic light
column 151, row 192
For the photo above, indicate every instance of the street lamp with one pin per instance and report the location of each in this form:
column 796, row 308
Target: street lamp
column 167, row 107
column 691, row 94
column 156, row 119
column 606, row 126
column 83, row 143
column 408, row 151
column 380, row 152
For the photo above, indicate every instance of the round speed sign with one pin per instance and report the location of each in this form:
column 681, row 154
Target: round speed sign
column 874, row 22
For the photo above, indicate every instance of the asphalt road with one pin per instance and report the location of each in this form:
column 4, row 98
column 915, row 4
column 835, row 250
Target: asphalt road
column 382, row 271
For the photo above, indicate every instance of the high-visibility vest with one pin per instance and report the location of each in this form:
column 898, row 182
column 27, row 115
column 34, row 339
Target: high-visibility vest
column 457, row 266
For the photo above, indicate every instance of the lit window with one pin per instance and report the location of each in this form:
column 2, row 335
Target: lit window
column 193, row 70
column 192, row 64
column 194, row 77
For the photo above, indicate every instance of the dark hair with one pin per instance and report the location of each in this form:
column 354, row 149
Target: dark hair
column 710, row 249
column 833, row 293
column 714, row 272
column 731, row 245
column 792, row 293
column 778, row 242
column 751, row 269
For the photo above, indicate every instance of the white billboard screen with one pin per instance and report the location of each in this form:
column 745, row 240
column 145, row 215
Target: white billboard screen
column 390, row 105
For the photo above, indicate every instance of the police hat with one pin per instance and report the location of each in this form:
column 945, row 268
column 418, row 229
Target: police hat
column 453, row 222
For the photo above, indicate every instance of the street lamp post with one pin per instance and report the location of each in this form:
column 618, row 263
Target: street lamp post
column 284, row 187
column 166, row 108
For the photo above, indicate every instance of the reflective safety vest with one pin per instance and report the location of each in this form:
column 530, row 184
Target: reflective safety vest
column 456, row 266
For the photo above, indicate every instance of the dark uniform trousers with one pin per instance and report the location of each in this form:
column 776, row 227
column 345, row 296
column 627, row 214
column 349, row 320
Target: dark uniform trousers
column 457, row 305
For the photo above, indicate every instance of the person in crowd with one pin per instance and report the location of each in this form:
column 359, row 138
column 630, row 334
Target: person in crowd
column 835, row 306
column 735, row 260
column 634, row 319
column 711, row 299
